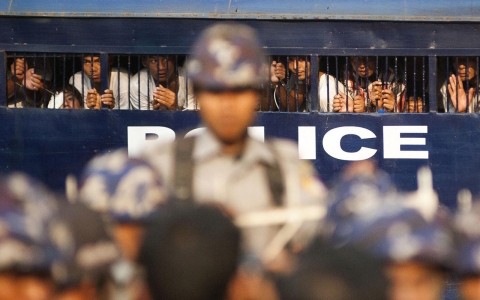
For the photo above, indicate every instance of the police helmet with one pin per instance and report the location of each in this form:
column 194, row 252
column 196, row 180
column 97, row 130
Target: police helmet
column 227, row 56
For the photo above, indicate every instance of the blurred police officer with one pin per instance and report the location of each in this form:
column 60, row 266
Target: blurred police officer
column 223, row 164
column 128, row 193
column 467, row 243
column 26, row 249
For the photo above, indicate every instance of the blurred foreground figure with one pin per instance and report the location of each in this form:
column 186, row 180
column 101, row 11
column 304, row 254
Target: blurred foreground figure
column 88, row 252
column 223, row 164
column 190, row 253
column 408, row 233
column 328, row 273
column 467, row 262
column 26, row 250
column 128, row 192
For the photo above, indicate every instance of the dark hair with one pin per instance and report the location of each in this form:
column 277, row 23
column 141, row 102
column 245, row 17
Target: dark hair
column 190, row 252
column 75, row 93
column 70, row 89
column 328, row 273
column 87, row 230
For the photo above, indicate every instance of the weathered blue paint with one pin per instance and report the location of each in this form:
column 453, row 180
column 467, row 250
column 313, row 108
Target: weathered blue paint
column 49, row 145
column 387, row 10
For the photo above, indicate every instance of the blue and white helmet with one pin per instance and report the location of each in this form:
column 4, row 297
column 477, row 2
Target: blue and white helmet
column 26, row 210
column 410, row 237
column 127, row 189
column 86, row 246
column 227, row 56
column 467, row 229
column 366, row 211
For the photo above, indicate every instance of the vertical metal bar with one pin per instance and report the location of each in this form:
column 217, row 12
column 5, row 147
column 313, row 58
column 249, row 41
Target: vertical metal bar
column 307, row 84
column 405, row 107
column 456, row 87
column 367, row 84
column 129, row 75
column 395, row 102
column 376, row 68
column 55, row 79
column 177, row 83
column 279, row 86
column 423, row 85
column 296, row 83
column 118, row 84
column 64, row 77
column 347, row 82
column 387, row 73
column 3, row 78
column 158, row 70
column 24, row 81
column 92, row 83
column 186, row 87
column 476, row 87
column 314, row 103
column 185, row 83
column 15, row 88
column 414, row 84
column 148, row 83
column 328, row 84
column 337, row 75
column 104, row 75
column 44, row 80
column 34, row 70
column 166, row 70
column 356, row 88
column 432, row 83
column 83, row 76
column 376, row 79
column 269, row 90
column 447, row 109
column 468, row 85
column 73, row 79
column 386, row 84
column 288, row 81
column 139, row 82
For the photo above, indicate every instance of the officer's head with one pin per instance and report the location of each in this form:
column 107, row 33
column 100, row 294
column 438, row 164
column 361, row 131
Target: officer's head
column 467, row 244
column 127, row 191
column 27, row 251
column 227, row 69
column 88, row 252
column 190, row 252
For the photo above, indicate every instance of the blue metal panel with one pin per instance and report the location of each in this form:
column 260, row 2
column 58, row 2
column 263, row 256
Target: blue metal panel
column 144, row 36
column 65, row 141
column 406, row 10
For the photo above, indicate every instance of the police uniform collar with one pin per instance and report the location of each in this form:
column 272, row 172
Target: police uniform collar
column 207, row 146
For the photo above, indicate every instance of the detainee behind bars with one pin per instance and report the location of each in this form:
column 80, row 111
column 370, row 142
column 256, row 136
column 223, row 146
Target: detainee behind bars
column 161, row 85
column 88, row 80
column 67, row 97
column 297, row 86
column 460, row 90
column 371, row 86
column 28, row 82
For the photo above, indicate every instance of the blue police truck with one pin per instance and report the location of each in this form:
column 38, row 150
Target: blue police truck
column 411, row 48
column 408, row 47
